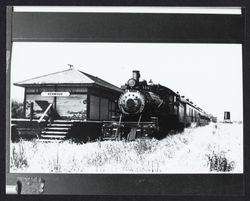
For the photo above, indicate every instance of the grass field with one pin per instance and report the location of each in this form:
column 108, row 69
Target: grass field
column 213, row 148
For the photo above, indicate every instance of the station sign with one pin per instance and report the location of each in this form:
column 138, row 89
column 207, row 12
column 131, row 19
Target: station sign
column 55, row 93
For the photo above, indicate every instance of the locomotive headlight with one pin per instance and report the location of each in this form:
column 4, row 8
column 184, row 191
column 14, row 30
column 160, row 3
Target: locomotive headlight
column 131, row 82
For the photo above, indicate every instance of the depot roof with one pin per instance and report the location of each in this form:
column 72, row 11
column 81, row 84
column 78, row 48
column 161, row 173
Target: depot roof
column 70, row 76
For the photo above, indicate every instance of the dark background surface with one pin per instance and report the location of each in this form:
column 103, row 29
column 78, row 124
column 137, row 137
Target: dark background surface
column 139, row 184
column 124, row 27
column 212, row 28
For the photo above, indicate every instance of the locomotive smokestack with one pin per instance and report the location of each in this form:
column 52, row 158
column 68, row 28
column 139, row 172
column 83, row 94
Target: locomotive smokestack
column 136, row 75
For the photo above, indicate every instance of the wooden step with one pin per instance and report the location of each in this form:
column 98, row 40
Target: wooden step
column 61, row 125
column 52, row 136
column 63, row 121
column 54, row 132
column 50, row 139
column 57, row 128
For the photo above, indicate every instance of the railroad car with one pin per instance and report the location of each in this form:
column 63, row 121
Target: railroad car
column 151, row 110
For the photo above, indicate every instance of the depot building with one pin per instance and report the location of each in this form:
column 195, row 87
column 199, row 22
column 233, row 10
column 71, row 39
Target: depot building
column 74, row 95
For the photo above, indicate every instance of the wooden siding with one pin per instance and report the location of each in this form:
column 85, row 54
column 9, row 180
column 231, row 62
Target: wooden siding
column 101, row 108
column 102, row 104
column 72, row 89
column 39, row 89
column 94, row 109
column 104, row 109
column 111, row 109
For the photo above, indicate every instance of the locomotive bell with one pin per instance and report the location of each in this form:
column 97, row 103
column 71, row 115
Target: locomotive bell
column 131, row 102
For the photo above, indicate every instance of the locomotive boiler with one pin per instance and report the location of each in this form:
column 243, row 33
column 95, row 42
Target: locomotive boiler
column 150, row 110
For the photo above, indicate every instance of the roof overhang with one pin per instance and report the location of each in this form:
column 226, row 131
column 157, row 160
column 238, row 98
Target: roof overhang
column 53, row 84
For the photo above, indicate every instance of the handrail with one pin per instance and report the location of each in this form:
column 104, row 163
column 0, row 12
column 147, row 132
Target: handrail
column 116, row 133
column 45, row 112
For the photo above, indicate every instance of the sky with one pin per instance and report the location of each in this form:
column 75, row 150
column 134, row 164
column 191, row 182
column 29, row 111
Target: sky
column 210, row 75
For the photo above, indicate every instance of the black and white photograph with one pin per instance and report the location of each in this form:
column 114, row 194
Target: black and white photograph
column 101, row 107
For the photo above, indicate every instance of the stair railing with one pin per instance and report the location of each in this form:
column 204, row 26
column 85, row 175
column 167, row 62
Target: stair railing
column 42, row 117
column 45, row 112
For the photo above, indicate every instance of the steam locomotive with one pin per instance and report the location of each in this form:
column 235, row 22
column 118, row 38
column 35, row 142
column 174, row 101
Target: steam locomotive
column 151, row 110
